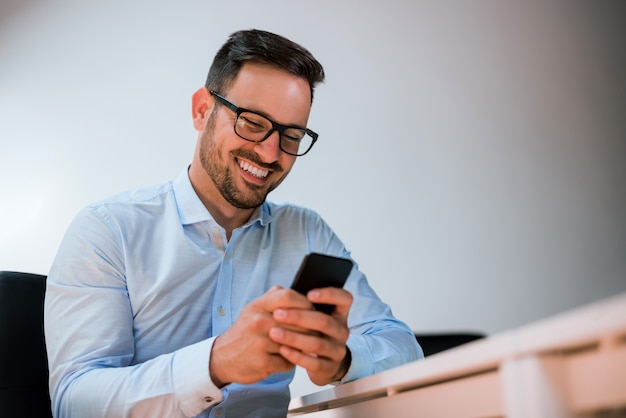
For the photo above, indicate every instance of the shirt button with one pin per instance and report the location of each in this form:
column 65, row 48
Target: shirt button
column 221, row 311
column 218, row 413
column 226, row 256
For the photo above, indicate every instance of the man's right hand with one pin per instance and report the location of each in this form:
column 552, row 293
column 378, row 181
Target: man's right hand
column 244, row 353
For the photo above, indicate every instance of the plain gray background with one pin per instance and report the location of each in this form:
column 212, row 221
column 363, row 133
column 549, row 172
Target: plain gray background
column 472, row 155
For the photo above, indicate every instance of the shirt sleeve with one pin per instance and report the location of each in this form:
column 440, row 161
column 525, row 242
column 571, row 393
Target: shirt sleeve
column 378, row 341
column 376, row 353
column 89, row 335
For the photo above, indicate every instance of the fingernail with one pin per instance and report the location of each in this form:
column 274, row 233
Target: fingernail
column 280, row 314
column 276, row 332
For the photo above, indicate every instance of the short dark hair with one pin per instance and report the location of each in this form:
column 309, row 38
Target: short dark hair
column 261, row 47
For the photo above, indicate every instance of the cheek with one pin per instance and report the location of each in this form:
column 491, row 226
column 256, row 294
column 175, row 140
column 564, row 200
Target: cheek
column 287, row 163
column 221, row 138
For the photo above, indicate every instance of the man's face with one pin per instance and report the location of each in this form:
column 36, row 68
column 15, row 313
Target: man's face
column 245, row 172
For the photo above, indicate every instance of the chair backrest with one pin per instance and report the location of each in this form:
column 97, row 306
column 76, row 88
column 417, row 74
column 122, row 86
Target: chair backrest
column 433, row 343
column 23, row 359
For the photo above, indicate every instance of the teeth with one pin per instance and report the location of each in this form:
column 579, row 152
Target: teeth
column 256, row 172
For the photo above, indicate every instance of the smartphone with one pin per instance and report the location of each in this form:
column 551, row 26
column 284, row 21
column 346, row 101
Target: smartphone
column 321, row 270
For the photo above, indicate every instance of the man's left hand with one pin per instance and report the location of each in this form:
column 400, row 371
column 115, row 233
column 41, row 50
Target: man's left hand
column 314, row 340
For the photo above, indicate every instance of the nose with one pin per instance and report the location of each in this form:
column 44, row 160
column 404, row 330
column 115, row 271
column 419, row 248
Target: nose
column 269, row 149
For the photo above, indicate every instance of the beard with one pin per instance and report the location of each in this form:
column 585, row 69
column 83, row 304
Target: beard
column 222, row 176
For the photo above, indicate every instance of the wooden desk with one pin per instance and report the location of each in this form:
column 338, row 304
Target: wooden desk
column 569, row 365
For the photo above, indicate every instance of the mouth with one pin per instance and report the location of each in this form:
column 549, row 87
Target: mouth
column 252, row 170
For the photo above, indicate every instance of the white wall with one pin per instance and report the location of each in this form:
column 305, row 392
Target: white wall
column 472, row 154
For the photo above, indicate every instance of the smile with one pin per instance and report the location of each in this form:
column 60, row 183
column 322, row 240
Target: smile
column 255, row 171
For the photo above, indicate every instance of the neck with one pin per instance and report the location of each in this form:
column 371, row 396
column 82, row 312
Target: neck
column 225, row 214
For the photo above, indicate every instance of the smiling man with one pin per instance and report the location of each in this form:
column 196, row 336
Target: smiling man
column 174, row 300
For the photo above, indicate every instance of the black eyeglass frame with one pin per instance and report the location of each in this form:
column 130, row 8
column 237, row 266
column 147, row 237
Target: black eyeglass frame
column 275, row 125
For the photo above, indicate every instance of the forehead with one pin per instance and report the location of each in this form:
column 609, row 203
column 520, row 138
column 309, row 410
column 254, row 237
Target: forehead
column 280, row 95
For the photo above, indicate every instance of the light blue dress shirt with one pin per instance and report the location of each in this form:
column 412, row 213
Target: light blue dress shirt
column 144, row 281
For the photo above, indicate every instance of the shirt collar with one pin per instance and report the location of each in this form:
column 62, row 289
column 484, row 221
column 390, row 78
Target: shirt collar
column 192, row 210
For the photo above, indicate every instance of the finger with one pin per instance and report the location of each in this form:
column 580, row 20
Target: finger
column 340, row 298
column 313, row 322
column 278, row 297
column 311, row 345
column 319, row 369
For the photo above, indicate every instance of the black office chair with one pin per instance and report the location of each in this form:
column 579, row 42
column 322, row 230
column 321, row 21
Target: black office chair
column 433, row 343
column 23, row 359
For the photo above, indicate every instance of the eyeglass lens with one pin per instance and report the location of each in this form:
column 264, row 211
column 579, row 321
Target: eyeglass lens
column 254, row 127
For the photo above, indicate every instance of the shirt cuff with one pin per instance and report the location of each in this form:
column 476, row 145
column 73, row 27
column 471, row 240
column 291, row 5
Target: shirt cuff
column 192, row 381
column 362, row 364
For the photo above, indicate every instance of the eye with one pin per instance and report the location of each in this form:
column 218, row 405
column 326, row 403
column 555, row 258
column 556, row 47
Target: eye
column 253, row 122
column 293, row 135
column 291, row 139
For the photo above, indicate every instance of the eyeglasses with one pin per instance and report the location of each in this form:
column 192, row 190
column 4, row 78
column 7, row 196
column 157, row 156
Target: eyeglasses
column 254, row 127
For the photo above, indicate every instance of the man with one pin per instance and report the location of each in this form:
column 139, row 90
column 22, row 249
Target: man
column 174, row 300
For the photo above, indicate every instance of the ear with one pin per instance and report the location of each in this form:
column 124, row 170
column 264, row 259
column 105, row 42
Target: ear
column 201, row 107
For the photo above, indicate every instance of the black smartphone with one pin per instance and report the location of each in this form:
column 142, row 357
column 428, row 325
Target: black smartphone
column 321, row 270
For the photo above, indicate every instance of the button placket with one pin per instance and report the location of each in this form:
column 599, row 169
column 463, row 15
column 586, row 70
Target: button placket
column 221, row 319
